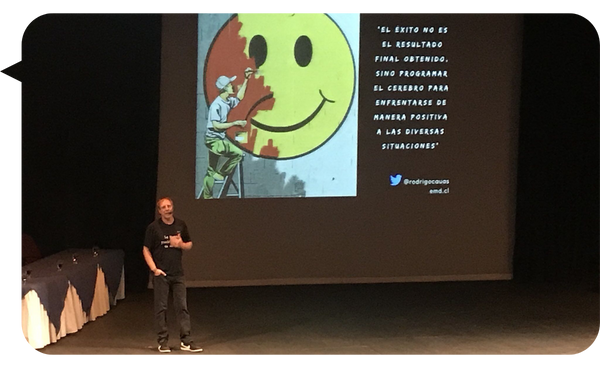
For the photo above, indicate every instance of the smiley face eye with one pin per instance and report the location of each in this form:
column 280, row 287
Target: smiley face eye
column 258, row 50
column 303, row 51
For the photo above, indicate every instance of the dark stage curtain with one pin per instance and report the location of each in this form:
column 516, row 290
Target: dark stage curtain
column 90, row 132
column 557, row 191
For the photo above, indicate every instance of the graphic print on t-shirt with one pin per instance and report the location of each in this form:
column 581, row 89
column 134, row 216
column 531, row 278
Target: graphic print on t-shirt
column 166, row 242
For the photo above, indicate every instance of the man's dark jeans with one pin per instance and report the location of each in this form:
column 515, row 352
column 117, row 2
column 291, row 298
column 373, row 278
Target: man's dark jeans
column 162, row 285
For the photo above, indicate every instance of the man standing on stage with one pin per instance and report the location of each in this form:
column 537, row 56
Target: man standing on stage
column 165, row 240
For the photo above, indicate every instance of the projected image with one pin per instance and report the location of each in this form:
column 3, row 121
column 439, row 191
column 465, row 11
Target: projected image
column 277, row 105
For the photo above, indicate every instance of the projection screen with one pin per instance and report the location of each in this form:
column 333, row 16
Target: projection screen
column 341, row 148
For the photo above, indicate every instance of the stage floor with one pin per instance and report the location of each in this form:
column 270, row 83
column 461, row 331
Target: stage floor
column 488, row 317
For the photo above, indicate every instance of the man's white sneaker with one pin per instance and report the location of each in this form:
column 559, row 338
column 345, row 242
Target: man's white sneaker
column 191, row 348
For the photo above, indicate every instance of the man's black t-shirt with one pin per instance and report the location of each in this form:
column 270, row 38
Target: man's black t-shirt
column 157, row 241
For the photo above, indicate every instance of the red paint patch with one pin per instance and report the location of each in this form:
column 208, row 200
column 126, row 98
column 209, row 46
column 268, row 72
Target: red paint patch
column 227, row 57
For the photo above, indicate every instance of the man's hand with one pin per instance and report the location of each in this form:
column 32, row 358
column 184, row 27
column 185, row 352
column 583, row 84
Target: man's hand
column 242, row 92
column 159, row 272
column 241, row 123
column 175, row 241
column 248, row 72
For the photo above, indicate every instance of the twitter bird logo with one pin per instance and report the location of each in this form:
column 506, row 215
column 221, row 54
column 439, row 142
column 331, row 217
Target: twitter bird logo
column 395, row 179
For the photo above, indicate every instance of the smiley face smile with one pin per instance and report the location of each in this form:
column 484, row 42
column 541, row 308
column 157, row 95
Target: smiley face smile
column 290, row 128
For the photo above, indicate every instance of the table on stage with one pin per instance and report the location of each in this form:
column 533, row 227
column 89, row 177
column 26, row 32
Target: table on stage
column 61, row 292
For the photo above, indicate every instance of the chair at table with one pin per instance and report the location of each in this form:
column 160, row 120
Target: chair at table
column 29, row 250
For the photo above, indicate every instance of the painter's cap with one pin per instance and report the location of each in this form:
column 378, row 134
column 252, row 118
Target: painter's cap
column 222, row 81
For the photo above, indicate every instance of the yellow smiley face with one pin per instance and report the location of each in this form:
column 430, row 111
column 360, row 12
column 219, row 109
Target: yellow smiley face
column 306, row 62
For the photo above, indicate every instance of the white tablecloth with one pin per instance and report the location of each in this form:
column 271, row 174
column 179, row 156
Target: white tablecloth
column 38, row 329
